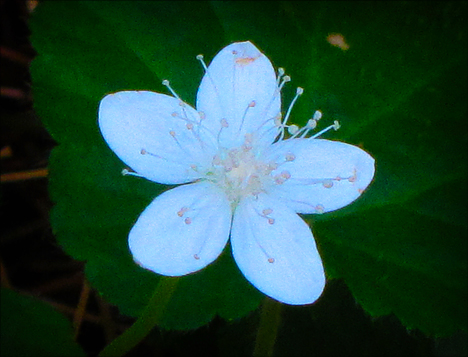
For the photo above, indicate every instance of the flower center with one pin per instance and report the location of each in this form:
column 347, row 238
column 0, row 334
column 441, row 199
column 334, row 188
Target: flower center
column 239, row 172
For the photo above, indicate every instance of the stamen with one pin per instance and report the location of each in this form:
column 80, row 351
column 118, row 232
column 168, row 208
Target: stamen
column 200, row 58
column 354, row 177
column 224, row 124
column 311, row 125
column 336, row 126
column 126, row 172
column 299, row 91
column 145, row 152
column 167, row 84
column 284, row 80
column 264, row 213
column 251, row 105
column 280, row 74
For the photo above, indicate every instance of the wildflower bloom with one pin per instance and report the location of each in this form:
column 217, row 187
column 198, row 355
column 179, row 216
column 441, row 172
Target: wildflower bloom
column 246, row 174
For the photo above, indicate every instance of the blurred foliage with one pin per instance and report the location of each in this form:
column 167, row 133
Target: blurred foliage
column 33, row 328
column 399, row 90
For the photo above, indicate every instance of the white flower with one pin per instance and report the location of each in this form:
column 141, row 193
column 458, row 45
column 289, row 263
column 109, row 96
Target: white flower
column 246, row 173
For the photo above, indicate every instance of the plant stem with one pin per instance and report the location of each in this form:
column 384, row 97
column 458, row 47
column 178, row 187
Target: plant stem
column 145, row 323
column 268, row 328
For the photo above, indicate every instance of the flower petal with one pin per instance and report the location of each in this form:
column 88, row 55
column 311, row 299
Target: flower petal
column 134, row 121
column 275, row 250
column 240, row 87
column 182, row 230
column 325, row 175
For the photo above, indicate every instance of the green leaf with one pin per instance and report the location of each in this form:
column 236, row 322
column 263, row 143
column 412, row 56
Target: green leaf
column 399, row 91
column 32, row 328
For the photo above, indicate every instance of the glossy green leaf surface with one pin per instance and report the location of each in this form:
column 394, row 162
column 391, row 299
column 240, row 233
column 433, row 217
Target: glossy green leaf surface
column 399, row 91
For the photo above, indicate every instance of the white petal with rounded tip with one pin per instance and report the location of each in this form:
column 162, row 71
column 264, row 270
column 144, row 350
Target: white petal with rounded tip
column 294, row 275
column 182, row 230
column 347, row 169
column 134, row 121
column 238, row 76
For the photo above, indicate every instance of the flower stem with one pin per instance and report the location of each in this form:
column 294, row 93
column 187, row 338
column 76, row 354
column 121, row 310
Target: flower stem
column 145, row 323
column 268, row 328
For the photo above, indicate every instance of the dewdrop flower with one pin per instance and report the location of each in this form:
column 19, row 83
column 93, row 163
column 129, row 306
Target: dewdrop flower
column 245, row 174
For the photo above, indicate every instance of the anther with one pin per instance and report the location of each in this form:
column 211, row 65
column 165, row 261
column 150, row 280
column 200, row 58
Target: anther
column 293, row 129
column 167, row 84
column 188, row 220
column 224, row 123
column 317, row 115
column 252, row 104
column 196, row 256
column 267, row 211
column 172, row 133
column 319, row 209
column 328, row 183
column 336, row 125
column 311, row 124
column 189, row 126
column 143, row 152
column 182, row 211
column 271, row 260
column 290, row 157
